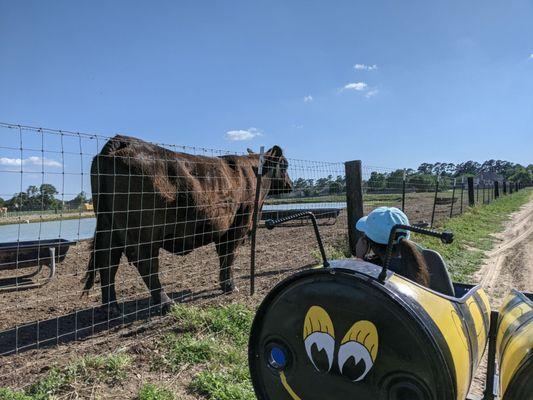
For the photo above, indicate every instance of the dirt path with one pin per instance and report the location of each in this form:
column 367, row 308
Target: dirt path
column 509, row 265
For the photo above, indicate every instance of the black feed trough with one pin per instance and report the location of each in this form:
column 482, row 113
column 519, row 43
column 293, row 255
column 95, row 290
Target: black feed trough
column 319, row 213
column 33, row 253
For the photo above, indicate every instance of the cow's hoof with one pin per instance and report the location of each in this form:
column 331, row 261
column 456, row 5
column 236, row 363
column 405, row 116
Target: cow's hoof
column 227, row 286
column 166, row 307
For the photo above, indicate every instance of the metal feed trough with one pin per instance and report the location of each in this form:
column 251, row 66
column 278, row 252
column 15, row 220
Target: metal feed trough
column 34, row 253
column 319, row 213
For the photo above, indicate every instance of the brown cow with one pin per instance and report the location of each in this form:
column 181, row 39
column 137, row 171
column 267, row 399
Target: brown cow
column 147, row 197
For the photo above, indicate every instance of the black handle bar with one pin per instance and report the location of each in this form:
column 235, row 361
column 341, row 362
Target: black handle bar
column 445, row 237
column 271, row 223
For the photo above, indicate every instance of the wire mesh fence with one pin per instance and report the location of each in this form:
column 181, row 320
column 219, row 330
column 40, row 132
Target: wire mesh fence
column 138, row 225
column 425, row 198
column 135, row 225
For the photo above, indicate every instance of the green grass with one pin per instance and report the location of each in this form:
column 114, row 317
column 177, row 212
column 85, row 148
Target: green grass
column 217, row 384
column 149, row 391
column 473, row 232
column 87, row 370
column 215, row 337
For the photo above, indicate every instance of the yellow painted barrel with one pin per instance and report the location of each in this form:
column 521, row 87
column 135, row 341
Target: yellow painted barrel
column 338, row 333
column 514, row 347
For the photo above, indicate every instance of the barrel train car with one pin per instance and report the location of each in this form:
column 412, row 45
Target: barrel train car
column 354, row 330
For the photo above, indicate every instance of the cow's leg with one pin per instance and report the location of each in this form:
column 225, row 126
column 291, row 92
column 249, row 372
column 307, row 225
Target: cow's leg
column 226, row 247
column 107, row 259
column 147, row 262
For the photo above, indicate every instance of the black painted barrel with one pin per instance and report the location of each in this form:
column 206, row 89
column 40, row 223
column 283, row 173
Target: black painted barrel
column 338, row 333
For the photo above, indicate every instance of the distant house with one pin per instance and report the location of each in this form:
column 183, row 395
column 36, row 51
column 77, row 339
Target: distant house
column 488, row 177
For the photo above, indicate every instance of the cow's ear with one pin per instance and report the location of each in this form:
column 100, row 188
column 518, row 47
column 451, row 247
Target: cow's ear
column 275, row 152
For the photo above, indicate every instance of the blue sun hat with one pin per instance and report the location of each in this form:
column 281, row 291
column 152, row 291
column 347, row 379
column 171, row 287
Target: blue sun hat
column 379, row 222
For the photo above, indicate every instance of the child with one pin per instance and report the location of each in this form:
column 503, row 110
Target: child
column 408, row 260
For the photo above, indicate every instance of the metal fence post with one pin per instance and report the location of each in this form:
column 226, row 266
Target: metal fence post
column 435, row 201
column 354, row 199
column 254, row 218
column 496, row 189
column 403, row 190
column 453, row 198
column 462, row 193
column 471, row 200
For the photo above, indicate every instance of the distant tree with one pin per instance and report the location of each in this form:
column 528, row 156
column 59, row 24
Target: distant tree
column 47, row 200
column 421, row 182
column 523, row 175
column 2, row 202
column 467, row 168
column 425, row 168
column 377, row 181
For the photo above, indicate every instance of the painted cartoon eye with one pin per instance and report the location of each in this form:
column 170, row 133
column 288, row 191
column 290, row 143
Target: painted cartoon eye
column 320, row 347
column 319, row 338
column 354, row 361
column 358, row 350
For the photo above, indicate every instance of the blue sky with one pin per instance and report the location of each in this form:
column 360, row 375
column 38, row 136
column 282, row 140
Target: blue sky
column 435, row 81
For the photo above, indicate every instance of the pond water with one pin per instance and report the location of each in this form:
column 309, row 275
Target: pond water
column 78, row 229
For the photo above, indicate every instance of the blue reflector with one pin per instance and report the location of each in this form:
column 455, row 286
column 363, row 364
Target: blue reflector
column 278, row 358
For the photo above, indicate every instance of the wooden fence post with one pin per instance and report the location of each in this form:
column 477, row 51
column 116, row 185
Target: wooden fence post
column 510, row 187
column 471, row 200
column 354, row 200
column 496, row 189
column 504, row 183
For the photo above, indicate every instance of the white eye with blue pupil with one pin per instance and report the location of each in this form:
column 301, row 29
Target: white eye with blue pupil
column 320, row 347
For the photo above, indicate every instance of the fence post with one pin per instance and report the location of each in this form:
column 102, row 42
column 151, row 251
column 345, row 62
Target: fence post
column 516, row 186
column 504, row 183
column 483, row 190
column 471, row 200
column 354, row 200
column 462, row 193
column 453, row 198
column 254, row 218
column 510, row 187
column 403, row 190
column 435, row 201
column 496, row 189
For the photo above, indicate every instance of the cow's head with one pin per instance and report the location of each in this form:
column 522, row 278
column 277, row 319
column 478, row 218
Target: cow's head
column 275, row 169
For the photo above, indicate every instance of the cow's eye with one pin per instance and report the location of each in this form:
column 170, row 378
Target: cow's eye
column 320, row 347
column 354, row 361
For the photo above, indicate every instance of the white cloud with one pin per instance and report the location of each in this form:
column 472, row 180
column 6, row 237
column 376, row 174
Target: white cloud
column 358, row 86
column 243, row 134
column 531, row 56
column 365, row 67
column 31, row 161
column 371, row 93
column 308, row 99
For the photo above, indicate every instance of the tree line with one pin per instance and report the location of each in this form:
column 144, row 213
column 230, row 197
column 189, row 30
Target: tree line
column 40, row 198
column 422, row 178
